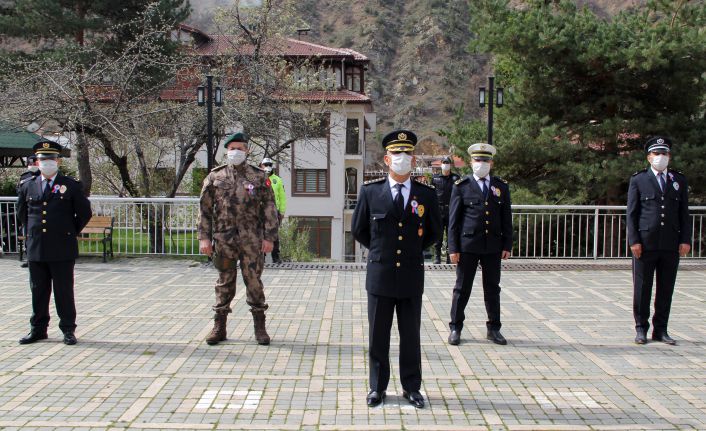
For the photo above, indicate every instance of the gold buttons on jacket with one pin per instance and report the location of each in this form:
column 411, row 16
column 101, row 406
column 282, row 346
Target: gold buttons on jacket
column 44, row 230
column 397, row 264
column 662, row 223
column 44, row 212
column 487, row 213
column 45, row 204
column 400, row 223
column 399, row 238
column 44, row 221
column 486, row 231
column 487, row 222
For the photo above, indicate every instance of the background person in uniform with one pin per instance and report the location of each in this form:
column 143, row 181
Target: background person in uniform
column 31, row 172
column 480, row 231
column 280, row 200
column 659, row 231
column 443, row 183
column 237, row 222
column 396, row 219
column 52, row 209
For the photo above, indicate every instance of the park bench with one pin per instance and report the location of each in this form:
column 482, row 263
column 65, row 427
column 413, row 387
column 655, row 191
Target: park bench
column 98, row 229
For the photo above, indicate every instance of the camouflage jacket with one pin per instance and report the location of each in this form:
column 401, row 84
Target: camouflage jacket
column 237, row 205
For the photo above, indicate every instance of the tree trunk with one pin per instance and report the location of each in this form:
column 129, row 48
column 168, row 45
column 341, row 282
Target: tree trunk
column 84, row 163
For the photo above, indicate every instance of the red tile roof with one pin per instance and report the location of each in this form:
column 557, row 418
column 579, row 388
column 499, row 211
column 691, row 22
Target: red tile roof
column 286, row 47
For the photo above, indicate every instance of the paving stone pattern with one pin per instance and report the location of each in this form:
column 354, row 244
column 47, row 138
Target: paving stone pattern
column 141, row 362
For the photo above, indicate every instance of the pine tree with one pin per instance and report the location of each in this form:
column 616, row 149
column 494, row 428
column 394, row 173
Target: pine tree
column 585, row 91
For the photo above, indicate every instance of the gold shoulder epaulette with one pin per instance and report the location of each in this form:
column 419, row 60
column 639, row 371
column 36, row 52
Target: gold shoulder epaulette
column 424, row 184
column 376, row 180
column 501, row 180
column 457, row 182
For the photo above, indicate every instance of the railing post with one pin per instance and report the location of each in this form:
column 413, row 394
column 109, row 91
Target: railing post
column 595, row 234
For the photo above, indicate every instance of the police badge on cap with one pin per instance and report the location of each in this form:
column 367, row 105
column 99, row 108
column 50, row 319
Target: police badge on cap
column 658, row 144
column 399, row 140
column 482, row 151
column 45, row 149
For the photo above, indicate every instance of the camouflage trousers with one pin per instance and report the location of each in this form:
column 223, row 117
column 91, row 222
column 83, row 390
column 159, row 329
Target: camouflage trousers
column 252, row 262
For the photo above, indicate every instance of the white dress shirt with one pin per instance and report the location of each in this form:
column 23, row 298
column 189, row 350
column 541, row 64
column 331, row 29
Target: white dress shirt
column 480, row 181
column 664, row 176
column 51, row 181
column 405, row 190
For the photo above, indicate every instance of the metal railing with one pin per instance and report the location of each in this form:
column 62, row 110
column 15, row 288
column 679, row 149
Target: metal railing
column 168, row 227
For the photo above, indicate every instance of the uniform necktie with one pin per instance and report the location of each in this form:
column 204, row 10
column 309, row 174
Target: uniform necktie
column 484, row 189
column 47, row 187
column 662, row 185
column 399, row 199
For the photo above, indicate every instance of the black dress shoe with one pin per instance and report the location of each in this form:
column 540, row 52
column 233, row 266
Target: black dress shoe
column 33, row 337
column 375, row 398
column 69, row 338
column 496, row 337
column 414, row 398
column 455, row 338
column 663, row 337
column 24, row 264
column 641, row 337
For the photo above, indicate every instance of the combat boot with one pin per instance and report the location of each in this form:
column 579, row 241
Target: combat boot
column 260, row 331
column 218, row 333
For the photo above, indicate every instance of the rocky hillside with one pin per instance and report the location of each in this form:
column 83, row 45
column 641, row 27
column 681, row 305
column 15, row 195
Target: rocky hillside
column 420, row 69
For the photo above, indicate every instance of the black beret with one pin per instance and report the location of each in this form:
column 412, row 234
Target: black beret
column 658, row 143
column 399, row 140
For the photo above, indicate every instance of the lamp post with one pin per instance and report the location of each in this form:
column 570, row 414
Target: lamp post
column 205, row 95
column 499, row 101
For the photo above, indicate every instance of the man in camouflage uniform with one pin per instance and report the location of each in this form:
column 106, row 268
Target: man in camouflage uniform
column 237, row 222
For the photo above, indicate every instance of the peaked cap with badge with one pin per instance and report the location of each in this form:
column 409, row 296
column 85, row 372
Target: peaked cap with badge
column 482, row 151
column 400, row 140
column 46, row 149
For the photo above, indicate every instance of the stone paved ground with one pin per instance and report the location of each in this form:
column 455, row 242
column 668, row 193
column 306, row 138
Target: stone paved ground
column 141, row 362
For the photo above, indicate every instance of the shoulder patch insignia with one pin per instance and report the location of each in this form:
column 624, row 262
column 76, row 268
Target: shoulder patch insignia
column 376, row 180
column 457, row 182
column 424, row 184
column 639, row 172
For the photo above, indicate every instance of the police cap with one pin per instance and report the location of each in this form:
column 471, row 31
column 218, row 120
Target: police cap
column 46, row 149
column 399, row 140
column 482, row 151
column 658, row 144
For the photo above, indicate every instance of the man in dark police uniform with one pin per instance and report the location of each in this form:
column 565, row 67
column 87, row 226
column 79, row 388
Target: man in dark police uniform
column 659, row 231
column 443, row 183
column 53, row 210
column 480, row 231
column 396, row 219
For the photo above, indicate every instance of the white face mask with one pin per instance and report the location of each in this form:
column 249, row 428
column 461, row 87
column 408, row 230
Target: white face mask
column 267, row 169
column 481, row 169
column 236, row 157
column 445, row 167
column 33, row 168
column 48, row 167
column 401, row 164
column 660, row 162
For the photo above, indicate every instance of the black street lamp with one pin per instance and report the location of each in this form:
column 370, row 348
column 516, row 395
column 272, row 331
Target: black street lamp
column 205, row 95
column 500, row 99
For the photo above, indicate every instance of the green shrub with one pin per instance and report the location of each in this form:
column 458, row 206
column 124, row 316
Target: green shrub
column 294, row 243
